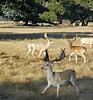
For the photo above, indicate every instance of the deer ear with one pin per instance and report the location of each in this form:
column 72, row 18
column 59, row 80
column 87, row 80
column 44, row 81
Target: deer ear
column 64, row 49
column 74, row 39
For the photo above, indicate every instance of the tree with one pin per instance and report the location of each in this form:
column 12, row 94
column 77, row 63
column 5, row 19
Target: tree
column 75, row 11
column 22, row 10
column 54, row 13
column 47, row 10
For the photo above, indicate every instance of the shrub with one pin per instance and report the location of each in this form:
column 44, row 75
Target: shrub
column 49, row 17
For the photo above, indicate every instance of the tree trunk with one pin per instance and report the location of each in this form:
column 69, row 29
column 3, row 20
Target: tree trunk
column 26, row 22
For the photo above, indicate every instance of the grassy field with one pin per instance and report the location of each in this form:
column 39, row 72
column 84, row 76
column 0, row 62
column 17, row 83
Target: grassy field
column 24, row 29
column 21, row 77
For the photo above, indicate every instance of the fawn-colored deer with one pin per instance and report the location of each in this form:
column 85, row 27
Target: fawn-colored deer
column 77, row 50
column 87, row 41
column 41, row 47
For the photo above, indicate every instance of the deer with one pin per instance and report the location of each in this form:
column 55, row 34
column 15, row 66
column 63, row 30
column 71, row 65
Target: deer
column 58, row 79
column 77, row 50
column 41, row 47
column 87, row 41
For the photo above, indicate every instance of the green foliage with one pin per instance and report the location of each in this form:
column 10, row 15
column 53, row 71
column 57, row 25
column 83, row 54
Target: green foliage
column 49, row 17
column 46, row 10
column 22, row 10
column 55, row 11
column 10, row 13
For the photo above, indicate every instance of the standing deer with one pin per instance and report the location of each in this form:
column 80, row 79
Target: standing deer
column 87, row 41
column 77, row 50
column 41, row 47
column 58, row 79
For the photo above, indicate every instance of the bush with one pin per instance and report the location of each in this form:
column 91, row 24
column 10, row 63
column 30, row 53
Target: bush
column 49, row 17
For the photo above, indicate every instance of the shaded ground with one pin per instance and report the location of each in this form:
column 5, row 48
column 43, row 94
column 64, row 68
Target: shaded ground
column 55, row 35
column 32, row 91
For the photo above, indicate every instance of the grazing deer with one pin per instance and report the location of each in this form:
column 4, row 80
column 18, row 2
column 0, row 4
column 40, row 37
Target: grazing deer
column 87, row 41
column 41, row 47
column 61, row 56
column 77, row 50
column 58, row 79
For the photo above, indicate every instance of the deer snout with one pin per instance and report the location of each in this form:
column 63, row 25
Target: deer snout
column 42, row 68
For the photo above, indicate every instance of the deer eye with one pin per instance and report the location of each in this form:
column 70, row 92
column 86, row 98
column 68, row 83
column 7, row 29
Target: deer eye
column 47, row 64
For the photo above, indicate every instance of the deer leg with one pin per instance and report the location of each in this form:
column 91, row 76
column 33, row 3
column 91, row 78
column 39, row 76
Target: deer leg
column 33, row 52
column 58, row 86
column 90, row 45
column 73, row 82
column 46, row 88
column 76, row 58
column 70, row 57
column 44, row 53
column 40, row 53
column 84, row 58
column 28, row 51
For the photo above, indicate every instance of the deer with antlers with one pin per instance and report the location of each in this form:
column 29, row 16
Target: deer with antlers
column 41, row 47
column 58, row 79
column 77, row 50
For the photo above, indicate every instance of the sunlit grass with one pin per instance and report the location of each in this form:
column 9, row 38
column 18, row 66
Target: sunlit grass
column 21, row 77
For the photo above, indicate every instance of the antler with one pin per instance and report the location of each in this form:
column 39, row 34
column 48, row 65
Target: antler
column 46, row 57
column 62, row 49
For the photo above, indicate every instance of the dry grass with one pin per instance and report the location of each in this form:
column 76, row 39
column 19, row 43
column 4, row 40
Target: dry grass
column 22, row 79
column 24, row 29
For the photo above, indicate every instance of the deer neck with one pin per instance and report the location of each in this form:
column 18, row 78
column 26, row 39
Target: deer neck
column 49, row 72
column 48, row 44
column 70, row 45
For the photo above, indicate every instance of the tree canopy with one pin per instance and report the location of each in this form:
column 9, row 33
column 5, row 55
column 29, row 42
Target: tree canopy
column 47, row 10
